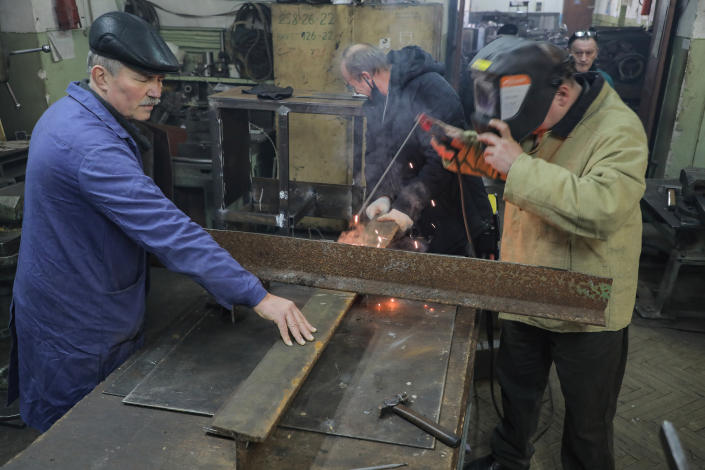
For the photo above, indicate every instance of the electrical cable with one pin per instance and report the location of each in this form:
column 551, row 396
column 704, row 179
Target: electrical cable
column 489, row 320
column 275, row 164
column 490, row 341
column 184, row 15
column 144, row 9
column 471, row 246
column 250, row 45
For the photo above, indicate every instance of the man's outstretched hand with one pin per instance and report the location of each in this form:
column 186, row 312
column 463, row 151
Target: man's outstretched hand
column 288, row 318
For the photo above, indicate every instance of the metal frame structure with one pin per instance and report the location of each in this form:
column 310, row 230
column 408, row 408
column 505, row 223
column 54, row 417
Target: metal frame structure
column 286, row 201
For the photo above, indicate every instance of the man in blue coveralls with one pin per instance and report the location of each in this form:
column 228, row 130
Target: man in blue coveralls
column 90, row 217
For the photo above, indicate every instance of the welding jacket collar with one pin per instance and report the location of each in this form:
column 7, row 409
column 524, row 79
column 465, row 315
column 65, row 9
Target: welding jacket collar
column 592, row 83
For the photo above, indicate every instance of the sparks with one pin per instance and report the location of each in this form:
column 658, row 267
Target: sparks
column 433, row 225
column 411, row 165
column 356, row 219
column 433, row 203
column 416, row 244
column 392, row 300
column 377, row 231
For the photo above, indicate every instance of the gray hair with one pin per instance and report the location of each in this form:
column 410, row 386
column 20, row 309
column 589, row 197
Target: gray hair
column 360, row 58
column 111, row 65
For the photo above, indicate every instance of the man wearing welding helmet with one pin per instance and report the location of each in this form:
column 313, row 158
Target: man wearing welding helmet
column 417, row 191
column 574, row 157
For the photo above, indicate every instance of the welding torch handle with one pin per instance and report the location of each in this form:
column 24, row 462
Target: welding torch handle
column 381, row 178
column 448, row 438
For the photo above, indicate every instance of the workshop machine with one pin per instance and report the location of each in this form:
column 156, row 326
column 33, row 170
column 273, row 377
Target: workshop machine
column 676, row 208
column 11, row 198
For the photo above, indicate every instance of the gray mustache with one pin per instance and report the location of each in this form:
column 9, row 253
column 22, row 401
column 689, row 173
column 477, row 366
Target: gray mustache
column 150, row 102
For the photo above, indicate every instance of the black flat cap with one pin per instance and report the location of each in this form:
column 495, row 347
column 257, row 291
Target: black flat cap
column 132, row 41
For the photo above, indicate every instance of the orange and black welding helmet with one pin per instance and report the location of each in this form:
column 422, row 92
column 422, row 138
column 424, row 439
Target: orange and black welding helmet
column 515, row 80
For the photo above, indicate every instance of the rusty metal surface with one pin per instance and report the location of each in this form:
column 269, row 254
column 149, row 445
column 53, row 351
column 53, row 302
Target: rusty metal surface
column 491, row 285
column 254, row 409
column 382, row 348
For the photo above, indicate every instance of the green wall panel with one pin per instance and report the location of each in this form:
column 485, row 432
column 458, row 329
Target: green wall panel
column 59, row 74
column 36, row 79
column 25, row 82
column 669, row 106
column 688, row 134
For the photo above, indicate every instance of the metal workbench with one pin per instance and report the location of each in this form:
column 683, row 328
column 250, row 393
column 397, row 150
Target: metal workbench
column 285, row 201
column 684, row 234
column 102, row 432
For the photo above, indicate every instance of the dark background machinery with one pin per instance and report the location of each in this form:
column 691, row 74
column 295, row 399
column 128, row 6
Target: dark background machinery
column 623, row 54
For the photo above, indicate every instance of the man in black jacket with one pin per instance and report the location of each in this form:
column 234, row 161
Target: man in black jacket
column 417, row 191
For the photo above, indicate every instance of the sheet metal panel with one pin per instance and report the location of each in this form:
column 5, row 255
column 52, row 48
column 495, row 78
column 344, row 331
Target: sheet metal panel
column 197, row 366
column 382, row 348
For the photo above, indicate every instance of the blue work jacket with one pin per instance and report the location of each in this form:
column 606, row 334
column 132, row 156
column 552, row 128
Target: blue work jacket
column 90, row 216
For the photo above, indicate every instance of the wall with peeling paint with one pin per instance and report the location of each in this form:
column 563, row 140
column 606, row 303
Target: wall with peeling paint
column 680, row 135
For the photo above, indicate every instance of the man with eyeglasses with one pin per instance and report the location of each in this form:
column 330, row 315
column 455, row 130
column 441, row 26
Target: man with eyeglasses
column 574, row 158
column 417, row 191
column 584, row 48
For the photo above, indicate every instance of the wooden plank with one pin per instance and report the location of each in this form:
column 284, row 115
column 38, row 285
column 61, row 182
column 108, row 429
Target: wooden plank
column 255, row 408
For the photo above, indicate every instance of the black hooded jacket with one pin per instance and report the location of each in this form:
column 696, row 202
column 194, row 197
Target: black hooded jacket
column 418, row 177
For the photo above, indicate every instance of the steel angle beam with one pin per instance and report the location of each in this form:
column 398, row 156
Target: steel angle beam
column 482, row 284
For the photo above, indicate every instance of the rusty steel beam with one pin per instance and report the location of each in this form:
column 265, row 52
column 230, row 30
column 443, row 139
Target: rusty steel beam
column 482, row 284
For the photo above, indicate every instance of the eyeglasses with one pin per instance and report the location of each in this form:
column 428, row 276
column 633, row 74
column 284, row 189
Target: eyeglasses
column 583, row 34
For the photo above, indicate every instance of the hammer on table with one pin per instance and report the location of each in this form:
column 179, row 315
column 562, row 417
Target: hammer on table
column 397, row 405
